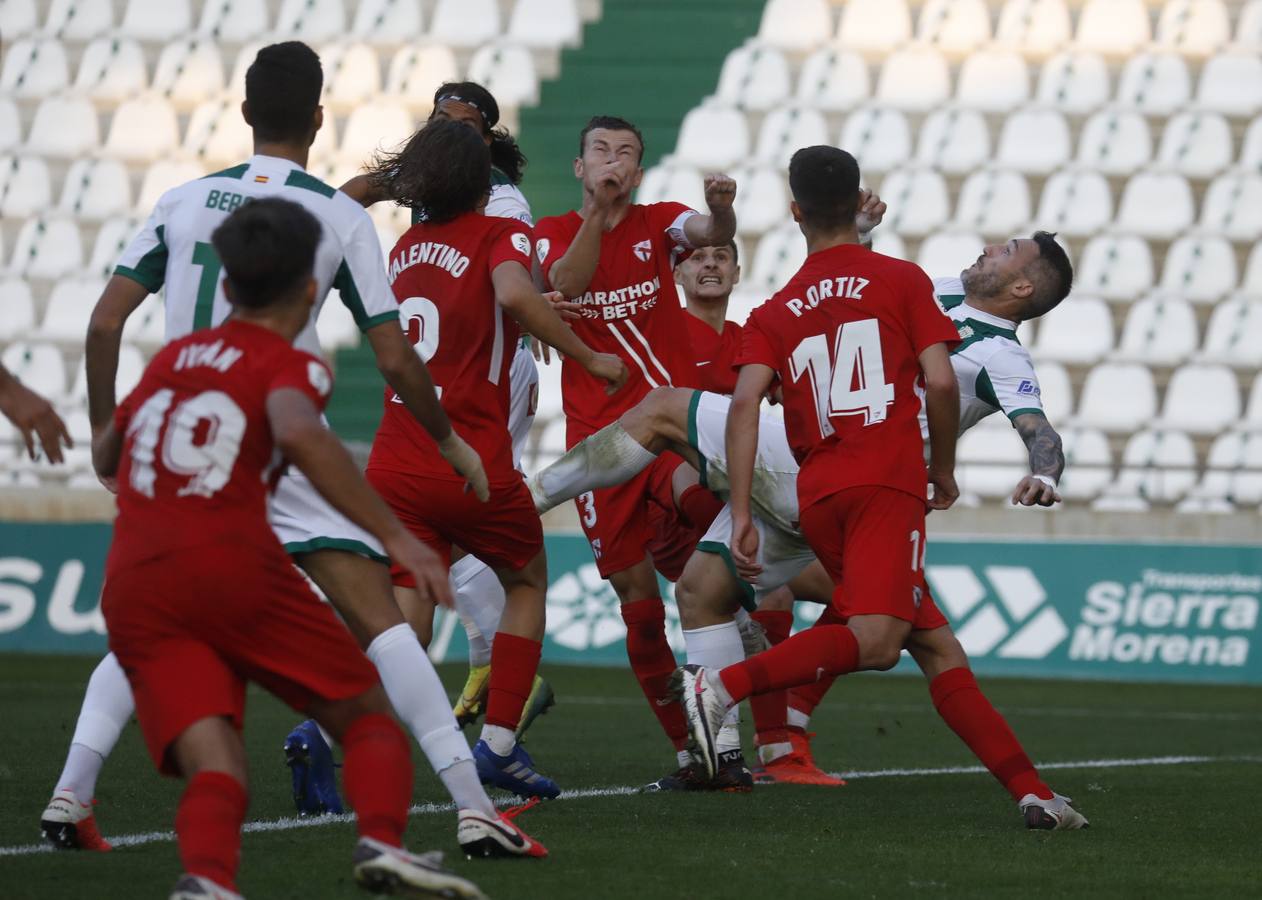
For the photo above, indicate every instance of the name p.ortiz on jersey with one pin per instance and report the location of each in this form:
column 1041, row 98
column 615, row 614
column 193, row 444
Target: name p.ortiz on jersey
column 621, row 303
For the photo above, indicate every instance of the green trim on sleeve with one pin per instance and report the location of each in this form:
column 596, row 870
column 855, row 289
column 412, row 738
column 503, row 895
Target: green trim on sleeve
column 1026, row 411
column 693, row 441
column 150, row 271
column 985, row 389
column 308, row 182
column 234, row 172
column 380, row 319
column 348, row 545
column 951, row 301
column 344, row 282
column 747, row 590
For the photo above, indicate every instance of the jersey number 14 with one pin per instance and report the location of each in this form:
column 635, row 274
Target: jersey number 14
column 851, row 380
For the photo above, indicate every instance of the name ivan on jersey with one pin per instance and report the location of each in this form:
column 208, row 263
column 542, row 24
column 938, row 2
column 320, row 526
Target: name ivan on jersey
column 621, row 303
column 848, row 287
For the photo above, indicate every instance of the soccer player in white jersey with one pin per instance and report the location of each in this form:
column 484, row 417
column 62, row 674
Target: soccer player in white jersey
column 282, row 94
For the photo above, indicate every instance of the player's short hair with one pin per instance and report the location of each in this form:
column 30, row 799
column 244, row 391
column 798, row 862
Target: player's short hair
column 442, row 171
column 506, row 155
column 825, row 184
column 609, row 123
column 268, row 249
column 1051, row 273
column 282, row 89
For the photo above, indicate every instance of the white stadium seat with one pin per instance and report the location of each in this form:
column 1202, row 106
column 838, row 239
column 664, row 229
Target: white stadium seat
column 1251, row 147
column 682, row 184
column 833, row 79
column 46, row 248
column 1233, row 206
column 1158, row 466
column 1156, row 205
column 1116, row 142
column 156, row 20
column 336, row 325
column 465, row 23
column 10, row 125
column 915, row 78
column 111, row 239
column 508, row 72
column 25, row 186
column 1249, row 26
column 142, row 130
column 1233, row 470
column 34, row 68
column 887, row 242
column 954, row 141
column 311, row 20
column 1201, row 399
column 1234, row 335
column 991, row 461
column 131, row 365
column 1078, row 331
column 387, row 22
column 38, row 366
column 1193, row 27
column 19, row 309
column 1196, row 144
column 352, row 75
column 1076, row 202
column 371, row 127
column 994, row 202
column 879, row 138
column 95, row 190
column 947, row 252
column 545, row 24
column 1074, row 82
column 1115, row 27
column 918, row 201
column 147, row 325
column 1231, row 83
column 1034, row 141
column 742, row 303
column 18, row 17
column 762, row 201
column 217, row 133
column 1037, row 28
column 995, row 80
column 112, row 70
column 416, row 72
column 1088, row 463
column 1118, row 398
column 754, row 76
column 74, row 20
column 713, row 137
column 189, row 71
column 786, row 130
column 234, row 21
column 1200, row 268
column 1056, row 391
column 69, row 306
column 779, row 254
column 954, row 26
column 1156, row 84
column 1252, row 420
column 160, row 177
column 1251, row 284
column 1159, row 331
column 874, row 26
column 1115, row 267
column 795, row 25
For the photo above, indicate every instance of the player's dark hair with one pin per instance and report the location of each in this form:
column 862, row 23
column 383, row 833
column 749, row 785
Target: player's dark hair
column 1051, row 273
column 736, row 254
column 506, row 155
column 268, row 249
column 825, row 184
column 282, row 90
column 443, row 170
column 609, row 123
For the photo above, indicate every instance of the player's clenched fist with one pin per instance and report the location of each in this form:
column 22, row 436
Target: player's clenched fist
column 609, row 185
column 871, row 211
column 720, row 191
column 945, row 490
column 745, row 548
column 609, row 369
column 425, row 565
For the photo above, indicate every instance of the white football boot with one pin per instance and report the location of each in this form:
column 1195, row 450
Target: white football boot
column 705, row 711
column 1051, row 815
column 70, row 825
column 486, row 836
column 194, row 887
column 383, row 869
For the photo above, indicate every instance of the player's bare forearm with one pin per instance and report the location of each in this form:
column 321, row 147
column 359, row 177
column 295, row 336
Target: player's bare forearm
column 119, row 300
column 942, row 406
column 515, row 292
column 741, row 435
column 407, row 375
column 1043, row 445
column 572, row 273
column 364, row 190
column 107, row 451
column 713, row 230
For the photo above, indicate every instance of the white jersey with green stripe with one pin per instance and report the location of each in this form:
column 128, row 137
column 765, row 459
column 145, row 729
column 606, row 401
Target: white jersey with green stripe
column 505, row 201
column 173, row 248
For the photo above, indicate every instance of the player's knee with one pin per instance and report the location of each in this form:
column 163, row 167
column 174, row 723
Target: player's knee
column 881, row 657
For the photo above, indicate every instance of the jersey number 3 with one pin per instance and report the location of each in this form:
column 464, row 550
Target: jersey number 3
column 850, row 382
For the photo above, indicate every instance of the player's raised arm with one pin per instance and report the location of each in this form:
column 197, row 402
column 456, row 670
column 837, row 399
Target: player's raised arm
column 741, row 438
column 1047, row 461
column 942, row 407
column 33, row 416
column 719, row 227
column 364, row 190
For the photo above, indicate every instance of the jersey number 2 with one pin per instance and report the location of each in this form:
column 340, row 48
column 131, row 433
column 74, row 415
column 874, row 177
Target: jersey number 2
column 209, row 462
column 850, row 382
column 418, row 316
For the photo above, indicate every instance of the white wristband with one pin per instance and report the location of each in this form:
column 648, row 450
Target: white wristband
column 1047, row 480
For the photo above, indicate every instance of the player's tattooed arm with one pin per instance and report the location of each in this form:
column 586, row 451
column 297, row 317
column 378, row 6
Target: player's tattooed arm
column 119, row 300
column 719, row 226
column 1047, row 461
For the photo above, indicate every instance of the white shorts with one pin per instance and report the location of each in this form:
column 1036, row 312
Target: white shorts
column 304, row 521
column 523, row 387
column 782, row 555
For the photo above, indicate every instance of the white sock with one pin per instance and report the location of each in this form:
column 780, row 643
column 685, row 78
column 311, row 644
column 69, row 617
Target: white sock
column 608, row 457
column 107, row 706
column 771, row 752
column 729, row 738
column 716, row 647
column 480, row 601
column 479, row 648
column 798, row 719
column 461, row 781
column 501, row 740
column 683, row 757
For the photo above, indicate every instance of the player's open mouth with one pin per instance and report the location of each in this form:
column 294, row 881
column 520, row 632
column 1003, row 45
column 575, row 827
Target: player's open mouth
column 709, row 279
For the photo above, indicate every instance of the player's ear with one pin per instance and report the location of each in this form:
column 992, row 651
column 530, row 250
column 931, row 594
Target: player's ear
column 245, row 113
column 795, row 211
column 229, row 293
column 639, row 176
column 736, row 276
column 1022, row 288
column 317, row 122
column 578, row 167
column 309, row 293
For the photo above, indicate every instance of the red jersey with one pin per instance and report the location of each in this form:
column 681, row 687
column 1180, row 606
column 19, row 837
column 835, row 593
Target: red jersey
column 198, row 457
column 715, row 354
column 845, row 336
column 630, row 308
column 441, row 276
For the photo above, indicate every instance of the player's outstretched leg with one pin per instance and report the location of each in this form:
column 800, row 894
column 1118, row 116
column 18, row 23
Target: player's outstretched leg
column 68, row 821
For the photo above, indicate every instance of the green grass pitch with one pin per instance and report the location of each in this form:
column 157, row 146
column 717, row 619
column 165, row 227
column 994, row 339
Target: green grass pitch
column 1160, row 827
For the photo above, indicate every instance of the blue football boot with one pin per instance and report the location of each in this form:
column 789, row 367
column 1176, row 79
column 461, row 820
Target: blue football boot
column 311, row 765
column 515, row 772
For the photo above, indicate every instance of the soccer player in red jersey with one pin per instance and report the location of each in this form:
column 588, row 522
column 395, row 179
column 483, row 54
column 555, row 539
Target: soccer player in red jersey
column 461, row 279
column 200, row 598
column 615, row 259
column 707, row 277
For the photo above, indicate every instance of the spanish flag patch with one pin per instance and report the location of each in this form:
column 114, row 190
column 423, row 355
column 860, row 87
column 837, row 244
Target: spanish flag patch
column 260, row 179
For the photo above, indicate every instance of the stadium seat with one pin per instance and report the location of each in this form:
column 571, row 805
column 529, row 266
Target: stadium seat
column 546, row 24
column 787, row 129
column 1088, row 463
column 217, row 133
column 1159, row 331
column 1201, row 399
column 1116, row 267
column 1074, row 82
column 163, row 175
column 1196, row 144
column 96, row 189
column 311, row 21
column 25, row 186
column 1249, row 27
column 111, row 239
column 1200, row 268
column 416, row 72
column 352, row 75
column 1079, row 331
column 508, row 72
column 1251, row 284
column 1233, row 470
column 131, row 365
column 795, row 25
column 18, row 17
column 713, row 137
column 1117, row 398
column 994, row 202
column 1234, row 334
column 886, row 241
column 336, row 325
column 373, row 126
column 34, row 68
column 10, row 125
column 74, row 20
column 947, row 252
column 69, row 306
column 1233, row 206
column 19, row 309
column 995, row 81
column 147, row 325
column 1231, row 83
column 668, row 181
column 992, row 460
column 954, row 26
column 1252, row 420
column 1056, row 391
column 918, row 201
column 46, row 248
column 388, row 23
column 189, row 71
column 1116, row 142
column 1034, row 141
column 761, row 201
column 112, row 69
column 954, row 141
column 1156, row 205
column 914, row 78
column 1115, row 27
column 142, row 130
column 742, row 303
column 156, row 21
column 38, row 366
column 1193, row 27
column 878, row 137
column 465, row 23
column 874, row 26
column 1036, row 28
column 833, row 80
column 1157, row 465
column 1156, row 84
column 754, row 76
column 244, row 59
column 779, row 254
column 1075, row 201
column 234, row 21
column 1250, row 148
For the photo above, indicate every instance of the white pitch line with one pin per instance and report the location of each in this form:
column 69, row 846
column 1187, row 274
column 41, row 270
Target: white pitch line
column 291, row 823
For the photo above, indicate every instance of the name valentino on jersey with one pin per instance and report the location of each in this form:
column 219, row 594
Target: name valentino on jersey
column 432, row 252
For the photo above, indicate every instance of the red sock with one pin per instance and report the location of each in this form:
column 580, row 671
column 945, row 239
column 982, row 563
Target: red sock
column 208, row 824
column 698, row 506
column 770, row 709
column 801, row 659
column 806, row 697
column 377, row 775
column 965, row 708
column 653, row 663
column 514, row 662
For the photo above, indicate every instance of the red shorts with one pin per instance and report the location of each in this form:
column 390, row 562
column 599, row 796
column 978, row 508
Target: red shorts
column 505, row 532
column 871, row 541
column 191, row 628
